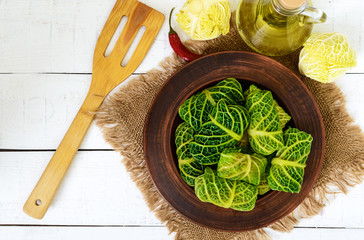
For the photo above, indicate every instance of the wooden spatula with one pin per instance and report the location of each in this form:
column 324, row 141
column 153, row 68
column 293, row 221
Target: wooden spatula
column 107, row 74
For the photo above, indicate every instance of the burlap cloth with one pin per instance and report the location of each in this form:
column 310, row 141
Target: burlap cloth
column 122, row 116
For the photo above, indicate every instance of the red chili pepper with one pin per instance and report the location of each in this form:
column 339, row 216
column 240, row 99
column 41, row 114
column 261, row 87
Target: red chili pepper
column 178, row 46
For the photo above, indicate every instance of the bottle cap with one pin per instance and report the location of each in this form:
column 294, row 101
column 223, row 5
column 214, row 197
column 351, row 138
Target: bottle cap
column 291, row 4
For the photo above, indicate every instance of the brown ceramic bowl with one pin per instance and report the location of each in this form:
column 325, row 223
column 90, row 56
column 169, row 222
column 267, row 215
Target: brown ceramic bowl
column 162, row 120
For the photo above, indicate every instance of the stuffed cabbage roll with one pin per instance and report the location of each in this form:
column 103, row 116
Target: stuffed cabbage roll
column 225, row 193
column 189, row 168
column 284, row 117
column 235, row 165
column 287, row 168
column 225, row 129
column 196, row 109
column 263, row 186
column 265, row 131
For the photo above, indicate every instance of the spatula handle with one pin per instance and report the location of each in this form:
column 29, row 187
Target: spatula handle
column 42, row 195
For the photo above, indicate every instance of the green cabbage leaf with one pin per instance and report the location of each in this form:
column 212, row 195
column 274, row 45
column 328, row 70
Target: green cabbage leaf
column 287, row 168
column 196, row 109
column 235, row 165
column 265, row 131
column 284, row 117
column 225, row 193
column 189, row 168
column 263, row 186
column 224, row 130
column 252, row 88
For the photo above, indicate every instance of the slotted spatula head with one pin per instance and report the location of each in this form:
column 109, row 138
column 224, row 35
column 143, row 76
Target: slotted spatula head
column 108, row 70
column 107, row 74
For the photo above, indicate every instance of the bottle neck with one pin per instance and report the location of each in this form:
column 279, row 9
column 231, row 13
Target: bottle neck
column 281, row 7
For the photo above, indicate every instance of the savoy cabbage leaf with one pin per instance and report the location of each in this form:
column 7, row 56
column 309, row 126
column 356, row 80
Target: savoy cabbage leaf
column 252, row 88
column 287, row 168
column 189, row 168
column 235, row 165
column 284, row 117
column 263, row 186
column 225, row 193
column 225, row 129
column 196, row 109
column 265, row 131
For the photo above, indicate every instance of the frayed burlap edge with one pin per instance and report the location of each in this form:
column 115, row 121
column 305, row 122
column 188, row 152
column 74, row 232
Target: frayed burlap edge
column 121, row 119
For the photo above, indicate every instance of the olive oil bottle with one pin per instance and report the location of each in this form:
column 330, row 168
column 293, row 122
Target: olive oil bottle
column 276, row 27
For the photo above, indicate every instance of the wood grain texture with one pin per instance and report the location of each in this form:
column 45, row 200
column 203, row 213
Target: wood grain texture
column 153, row 233
column 159, row 136
column 98, row 191
column 42, row 36
column 47, row 103
column 107, row 74
column 89, row 233
column 57, row 35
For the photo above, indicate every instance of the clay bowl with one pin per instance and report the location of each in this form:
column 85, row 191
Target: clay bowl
column 163, row 119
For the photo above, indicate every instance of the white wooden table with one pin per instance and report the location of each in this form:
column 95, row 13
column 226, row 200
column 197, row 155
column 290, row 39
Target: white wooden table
column 46, row 49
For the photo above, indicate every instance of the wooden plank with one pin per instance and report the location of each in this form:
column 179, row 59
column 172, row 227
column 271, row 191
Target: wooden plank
column 320, row 234
column 58, row 36
column 89, row 233
column 98, row 191
column 341, row 210
column 154, row 233
column 37, row 109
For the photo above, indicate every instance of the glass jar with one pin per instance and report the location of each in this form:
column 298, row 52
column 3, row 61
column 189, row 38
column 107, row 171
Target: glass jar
column 276, row 27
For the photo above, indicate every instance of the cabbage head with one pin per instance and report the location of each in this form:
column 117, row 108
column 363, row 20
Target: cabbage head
column 265, row 131
column 287, row 168
column 196, row 109
column 189, row 168
column 205, row 19
column 235, row 165
column 225, row 193
column 224, row 130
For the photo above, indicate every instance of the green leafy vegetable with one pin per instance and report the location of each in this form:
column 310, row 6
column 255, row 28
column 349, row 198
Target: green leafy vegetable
column 252, row 153
column 196, row 109
column 263, row 186
column 229, row 89
column 225, row 193
column 189, row 168
column 284, row 117
column 252, row 88
column 225, row 129
column 265, row 131
column 287, row 168
column 240, row 166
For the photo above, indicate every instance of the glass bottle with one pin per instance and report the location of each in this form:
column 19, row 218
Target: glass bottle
column 276, row 27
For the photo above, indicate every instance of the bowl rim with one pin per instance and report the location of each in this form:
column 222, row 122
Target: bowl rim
column 252, row 58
